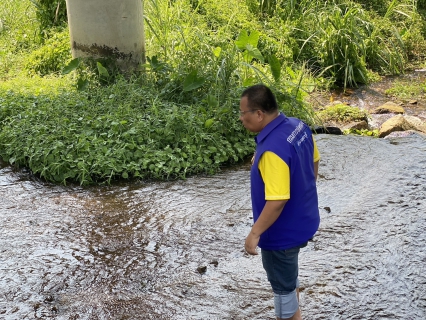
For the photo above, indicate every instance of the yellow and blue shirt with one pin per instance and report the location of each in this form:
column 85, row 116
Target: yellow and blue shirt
column 283, row 169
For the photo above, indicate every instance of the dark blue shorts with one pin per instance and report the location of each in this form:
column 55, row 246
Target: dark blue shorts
column 282, row 268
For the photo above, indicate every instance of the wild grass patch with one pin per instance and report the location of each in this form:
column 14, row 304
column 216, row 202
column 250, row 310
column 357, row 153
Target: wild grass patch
column 407, row 89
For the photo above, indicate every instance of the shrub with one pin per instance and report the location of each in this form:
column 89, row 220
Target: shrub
column 342, row 113
column 50, row 13
column 120, row 131
column 52, row 56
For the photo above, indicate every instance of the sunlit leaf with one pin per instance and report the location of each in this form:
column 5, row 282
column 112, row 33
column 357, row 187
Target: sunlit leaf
column 255, row 53
column 209, row 123
column 217, row 51
column 247, row 82
column 244, row 39
column 103, row 72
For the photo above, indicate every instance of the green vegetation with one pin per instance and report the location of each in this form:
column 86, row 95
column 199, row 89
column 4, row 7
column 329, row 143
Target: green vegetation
column 407, row 89
column 90, row 136
column 342, row 113
column 363, row 132
column 82, row 121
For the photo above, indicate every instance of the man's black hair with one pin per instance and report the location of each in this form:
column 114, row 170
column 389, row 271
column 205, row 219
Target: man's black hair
column 261, row 97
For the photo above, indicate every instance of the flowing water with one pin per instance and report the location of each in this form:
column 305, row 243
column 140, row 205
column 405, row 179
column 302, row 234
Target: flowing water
column 174, row 250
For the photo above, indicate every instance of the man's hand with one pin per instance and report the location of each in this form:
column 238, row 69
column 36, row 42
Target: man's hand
column 251, row 243
column 270, row 213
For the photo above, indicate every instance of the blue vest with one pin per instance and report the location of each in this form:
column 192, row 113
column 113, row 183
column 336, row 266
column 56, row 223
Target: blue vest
column 291, row 140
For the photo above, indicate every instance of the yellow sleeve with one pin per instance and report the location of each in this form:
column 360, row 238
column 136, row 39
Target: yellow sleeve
column 276, row 175
column 317, row 156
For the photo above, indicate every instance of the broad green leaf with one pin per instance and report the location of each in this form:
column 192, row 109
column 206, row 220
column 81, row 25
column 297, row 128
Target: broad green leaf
column 275, row 65
column 244, row 39
column 254, row 52
column 82, row 84
column 103, row 72
column 155, row 64
column 74, row 63
column 217, row 51
column 254, row 38
column 209, row 123
column 192, row 81
column 212, row 101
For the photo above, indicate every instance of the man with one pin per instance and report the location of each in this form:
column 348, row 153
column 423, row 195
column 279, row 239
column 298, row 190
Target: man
column 283, row 191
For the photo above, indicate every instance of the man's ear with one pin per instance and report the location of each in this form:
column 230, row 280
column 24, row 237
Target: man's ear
column 260, row 115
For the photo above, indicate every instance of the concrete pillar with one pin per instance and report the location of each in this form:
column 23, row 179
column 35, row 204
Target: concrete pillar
column 107, row 29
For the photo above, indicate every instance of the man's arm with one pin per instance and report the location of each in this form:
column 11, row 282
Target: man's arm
column 316, row 165
column 269, row 215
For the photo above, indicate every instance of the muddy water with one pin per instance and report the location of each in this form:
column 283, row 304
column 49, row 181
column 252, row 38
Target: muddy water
column 174, row 250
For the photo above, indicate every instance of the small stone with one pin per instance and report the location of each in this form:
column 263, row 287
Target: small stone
column 214, row 262
column 357, row 125
column 202, row 269
column 389, row 107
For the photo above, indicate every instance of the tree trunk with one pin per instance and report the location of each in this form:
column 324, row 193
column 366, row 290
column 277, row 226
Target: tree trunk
column 108, row 29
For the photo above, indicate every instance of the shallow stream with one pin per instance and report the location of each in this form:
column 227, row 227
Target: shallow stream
column 174, row 250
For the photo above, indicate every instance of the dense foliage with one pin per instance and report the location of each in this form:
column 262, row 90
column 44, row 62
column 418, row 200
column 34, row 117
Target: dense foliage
column 82, row 121
column 119, row 131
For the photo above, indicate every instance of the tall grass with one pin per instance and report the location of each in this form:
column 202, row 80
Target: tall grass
column 18, row 33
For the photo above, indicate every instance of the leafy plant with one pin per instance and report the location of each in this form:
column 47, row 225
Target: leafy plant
column 342, row 113
column 339, row 42
column 406, row 89
column 50, row 13
column 363, row 132
column 51, row 56
column 114, row 132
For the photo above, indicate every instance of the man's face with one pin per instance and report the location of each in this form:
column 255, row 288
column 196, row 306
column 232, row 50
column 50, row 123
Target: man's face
column 249, row 117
